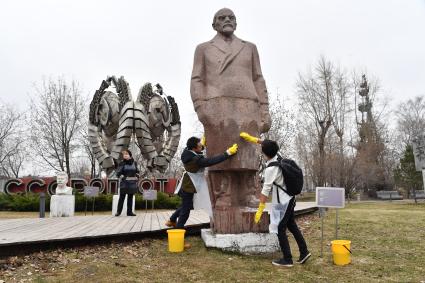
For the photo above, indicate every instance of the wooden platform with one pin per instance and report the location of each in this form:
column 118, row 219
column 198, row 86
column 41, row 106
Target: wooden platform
column 36, row 233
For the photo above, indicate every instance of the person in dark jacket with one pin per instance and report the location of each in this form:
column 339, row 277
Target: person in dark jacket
column 193, row 160
column 128, row 173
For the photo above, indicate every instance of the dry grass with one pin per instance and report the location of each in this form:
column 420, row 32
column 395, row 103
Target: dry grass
column 387, row 242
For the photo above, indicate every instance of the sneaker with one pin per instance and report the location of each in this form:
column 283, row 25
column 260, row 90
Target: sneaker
column 303, row 258
column 283, row 263
column 131, row 214
column 170, row 223
column 117, row 214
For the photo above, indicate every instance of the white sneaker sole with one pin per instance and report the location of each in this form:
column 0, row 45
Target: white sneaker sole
column 281, row 265
column 305, row 258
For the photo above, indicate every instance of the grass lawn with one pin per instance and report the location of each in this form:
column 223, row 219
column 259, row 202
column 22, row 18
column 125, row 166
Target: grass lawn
column 388, row 244
column 310, row 196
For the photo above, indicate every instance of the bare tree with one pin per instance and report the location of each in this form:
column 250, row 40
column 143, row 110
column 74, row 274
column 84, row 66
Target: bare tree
column 58, row 111
column 306, row 152
column 341, row 108
column 411, row 119
column 80, row 166
column 88, row 151
column 316, row 92
column 10, row 140
column 283, row 129
column 15, row 161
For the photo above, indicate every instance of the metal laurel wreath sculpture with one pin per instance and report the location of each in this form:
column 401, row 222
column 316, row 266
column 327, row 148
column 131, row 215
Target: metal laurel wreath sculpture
column 153, row 120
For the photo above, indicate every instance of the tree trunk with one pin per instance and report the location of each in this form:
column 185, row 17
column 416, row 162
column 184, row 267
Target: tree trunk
column 342, row 163
column 322, row 155
column 67, row 163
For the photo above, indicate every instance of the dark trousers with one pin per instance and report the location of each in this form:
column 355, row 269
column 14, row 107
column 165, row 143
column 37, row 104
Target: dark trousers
column 129, row 203
column 288, row 221
column 182, row 213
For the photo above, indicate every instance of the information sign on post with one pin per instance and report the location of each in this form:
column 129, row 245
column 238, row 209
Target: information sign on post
column 329, row 197
column 91, row 192
column 150, row 195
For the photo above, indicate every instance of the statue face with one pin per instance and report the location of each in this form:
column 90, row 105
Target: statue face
column 225, row 22
column 61, row 178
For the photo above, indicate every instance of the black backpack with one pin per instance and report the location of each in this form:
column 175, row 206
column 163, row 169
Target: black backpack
column 292, row 175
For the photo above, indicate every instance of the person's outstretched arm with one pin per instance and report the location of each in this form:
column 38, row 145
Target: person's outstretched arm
column 210, row 161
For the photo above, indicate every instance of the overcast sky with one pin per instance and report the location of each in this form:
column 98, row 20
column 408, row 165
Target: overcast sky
column 155, row 40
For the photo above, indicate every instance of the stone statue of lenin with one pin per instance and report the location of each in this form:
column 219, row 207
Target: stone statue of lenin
column 230, row 96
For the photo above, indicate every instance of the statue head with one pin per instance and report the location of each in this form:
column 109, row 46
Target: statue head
column 224, row 22
column 61, row 178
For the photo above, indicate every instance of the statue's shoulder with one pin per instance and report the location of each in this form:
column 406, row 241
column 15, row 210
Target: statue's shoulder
column 249, row 44
column 204, row 45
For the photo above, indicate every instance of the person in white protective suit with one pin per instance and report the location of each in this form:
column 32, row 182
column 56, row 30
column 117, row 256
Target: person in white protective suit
column 282, row 214
column 193, row 181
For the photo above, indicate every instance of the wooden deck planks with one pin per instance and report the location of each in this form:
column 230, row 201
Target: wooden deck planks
column 162, row 218
column 27, row 230
column 155, row 222
column 55, row 226
column 13, row 223
column 147, row 223
column 137, row 227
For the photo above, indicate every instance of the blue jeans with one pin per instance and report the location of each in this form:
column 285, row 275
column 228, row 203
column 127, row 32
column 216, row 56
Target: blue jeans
column 182, row 213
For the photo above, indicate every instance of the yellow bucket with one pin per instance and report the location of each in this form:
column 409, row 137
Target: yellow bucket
column 341, row 252
column 176, row 240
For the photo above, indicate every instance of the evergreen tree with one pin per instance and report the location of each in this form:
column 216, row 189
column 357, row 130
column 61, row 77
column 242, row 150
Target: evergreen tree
column 406, row 175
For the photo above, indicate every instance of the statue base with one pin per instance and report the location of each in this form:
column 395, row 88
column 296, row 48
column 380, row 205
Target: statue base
column 245, row 243
column 62, row 205
column 115, row 199
column 238, row 220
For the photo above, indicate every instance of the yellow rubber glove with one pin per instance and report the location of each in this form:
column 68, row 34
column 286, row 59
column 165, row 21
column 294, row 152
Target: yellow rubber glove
column 203, row 141
column 232, row 150
column 259, row 212
column 248, row 137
